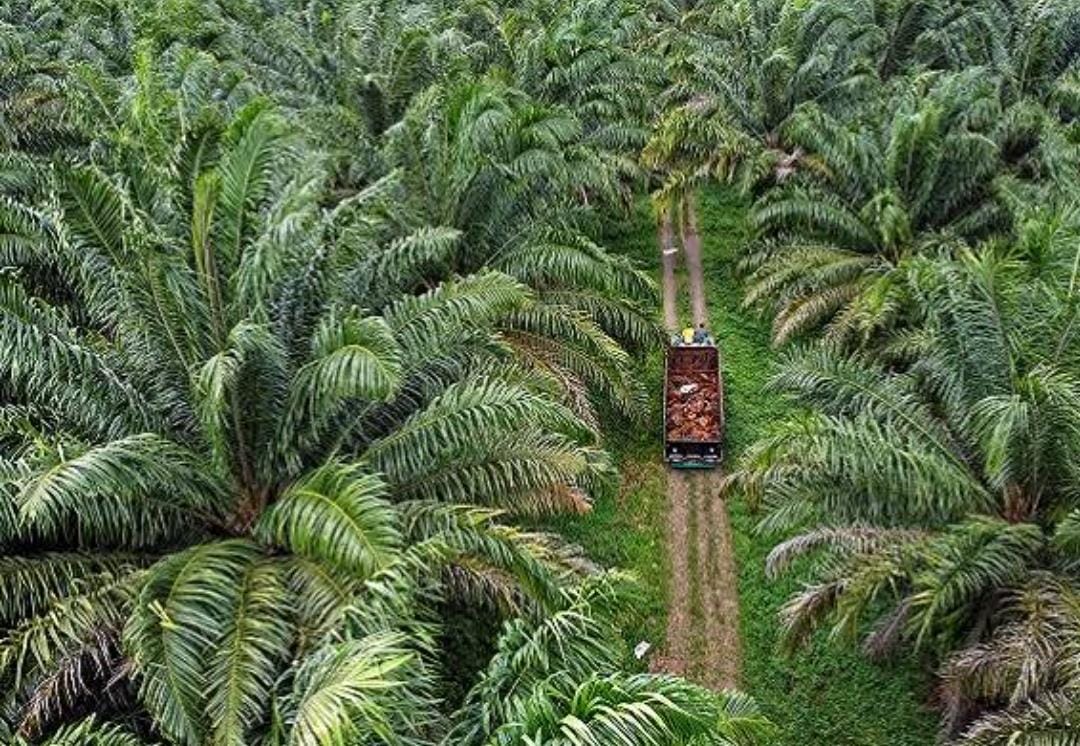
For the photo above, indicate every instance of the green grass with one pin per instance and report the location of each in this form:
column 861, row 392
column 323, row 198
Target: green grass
column 826, row 695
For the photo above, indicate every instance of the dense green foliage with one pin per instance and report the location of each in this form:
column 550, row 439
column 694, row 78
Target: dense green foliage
column 302, row 312
column 306, row 313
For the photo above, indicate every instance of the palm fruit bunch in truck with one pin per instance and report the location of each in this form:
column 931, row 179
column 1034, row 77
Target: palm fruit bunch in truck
column 693, row 406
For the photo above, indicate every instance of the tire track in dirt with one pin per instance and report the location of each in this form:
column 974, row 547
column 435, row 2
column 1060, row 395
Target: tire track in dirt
column 676, row 654
column 702, row 636
column 722, row 658
column 699, row 590
column 691, row 241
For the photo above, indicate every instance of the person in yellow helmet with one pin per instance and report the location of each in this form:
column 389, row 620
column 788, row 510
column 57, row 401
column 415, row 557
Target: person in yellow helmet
column 688, row 335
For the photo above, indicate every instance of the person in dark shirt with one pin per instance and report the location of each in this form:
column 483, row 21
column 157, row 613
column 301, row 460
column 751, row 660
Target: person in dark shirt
column 701, row 336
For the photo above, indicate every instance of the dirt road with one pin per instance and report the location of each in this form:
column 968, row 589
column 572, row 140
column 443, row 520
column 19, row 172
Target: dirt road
column 691, row 241
column 702, row 638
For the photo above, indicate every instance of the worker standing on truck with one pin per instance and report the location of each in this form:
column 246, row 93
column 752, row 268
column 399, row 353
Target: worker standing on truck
column 688, row 335
column 701, row 336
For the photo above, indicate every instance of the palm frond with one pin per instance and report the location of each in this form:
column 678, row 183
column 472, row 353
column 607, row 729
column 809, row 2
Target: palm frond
column 127, row 492
column 465, row 414
column 177, row 626
column 368, row 685
column 966, row 564
column 532, row 566
column 244, row 670
column 92, row 732
column 432, row 323
column 29, row 583
column 844, row 540
column 336, row 514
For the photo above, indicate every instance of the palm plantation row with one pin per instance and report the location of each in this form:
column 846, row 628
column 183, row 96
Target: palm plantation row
column 915, row 169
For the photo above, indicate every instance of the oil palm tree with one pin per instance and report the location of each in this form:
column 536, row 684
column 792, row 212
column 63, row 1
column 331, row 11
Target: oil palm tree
column 348, row 71
column 33, row 112
column 588, row 56
column 913, row 35
column 457, row 177
column 51, row 51
column 920, row 181
column 1040, row 53
column 481, row 175
column 230, row 494
column 738, row 72
column 1040, row 75
column 941, row 489
column 560, row 681
column 1026, row 671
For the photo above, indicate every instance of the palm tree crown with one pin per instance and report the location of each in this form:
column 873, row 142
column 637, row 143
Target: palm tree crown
column 944, row 489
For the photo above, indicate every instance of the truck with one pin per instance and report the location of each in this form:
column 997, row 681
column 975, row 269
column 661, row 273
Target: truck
column 693, row 406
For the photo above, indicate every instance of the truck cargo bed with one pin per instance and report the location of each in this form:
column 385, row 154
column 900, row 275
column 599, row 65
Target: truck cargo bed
column 693, row 406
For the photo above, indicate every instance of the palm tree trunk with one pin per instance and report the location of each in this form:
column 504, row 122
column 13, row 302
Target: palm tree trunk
column 1019, row 504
